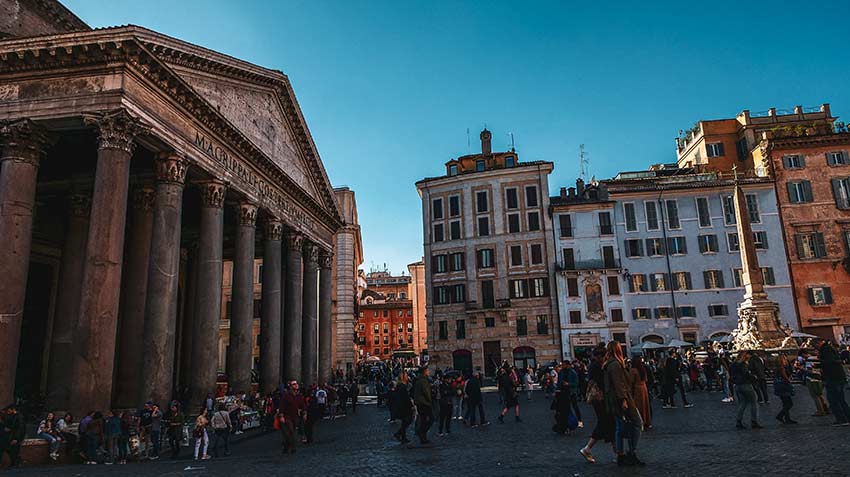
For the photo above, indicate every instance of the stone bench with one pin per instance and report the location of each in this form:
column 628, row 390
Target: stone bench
column 36, row 452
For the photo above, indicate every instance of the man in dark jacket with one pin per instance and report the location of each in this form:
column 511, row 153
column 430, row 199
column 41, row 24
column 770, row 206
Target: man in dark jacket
column 474, row 400
column 834, row 379
column 756, row 365
column 422, row 399
column 12, row 433
column 402, row 407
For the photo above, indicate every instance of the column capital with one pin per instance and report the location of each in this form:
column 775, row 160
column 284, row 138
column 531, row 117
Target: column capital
column 247, row 214
column 23, row 141
column 294, row 241
column 274, row 229
column 116, row 129
column 326, row 259
column 171, row 168
column 212, row 194
column 144, row 198
column 311, row 253
column 79, row 205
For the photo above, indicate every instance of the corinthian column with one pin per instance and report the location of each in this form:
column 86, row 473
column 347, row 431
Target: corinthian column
column 23, row 145
column 134, row 290
column 310, row 320
column 292, row 304
column 325, row 305
column 270, row 320
column 208, row 295
column 163, row 279
column 241, row 320
column 94, row 340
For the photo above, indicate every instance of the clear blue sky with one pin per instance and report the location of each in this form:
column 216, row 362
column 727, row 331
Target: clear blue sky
column 389, row 88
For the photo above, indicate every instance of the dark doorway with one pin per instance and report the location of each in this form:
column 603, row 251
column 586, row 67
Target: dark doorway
column 462, row 361
column 34, row 331
column 492, row 357
column 524, row 357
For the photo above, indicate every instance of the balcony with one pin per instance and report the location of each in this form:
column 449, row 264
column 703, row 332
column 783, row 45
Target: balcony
column 599, row 264
column 496, row 305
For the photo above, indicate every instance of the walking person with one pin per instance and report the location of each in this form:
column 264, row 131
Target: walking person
column 112, row 432
column 680, row 366
column 814, row 383
column 202, row 438
column 353, row 393
column 403, row 407
column 572, row 379
column 529, row 382
column 447, row 393
column 174, row 431
column 604, row 429
column 670, row 373
column 508, row 383
column 124, row 437
column 757, row 368
column 834, row 380
column 723, row 372
column 743, row 380
column 221, row 426
column 291, row 411
column 156, row 430
column 474, row 401
column 422, row 400
column 638, row 374
column 457, row 408
column 621, row 404
column 783, row 388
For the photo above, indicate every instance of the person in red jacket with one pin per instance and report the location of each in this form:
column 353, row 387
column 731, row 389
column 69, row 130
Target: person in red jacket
column 291, row 410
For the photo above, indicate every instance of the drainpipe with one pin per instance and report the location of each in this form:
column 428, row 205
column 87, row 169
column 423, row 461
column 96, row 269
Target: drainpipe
column 667, row 258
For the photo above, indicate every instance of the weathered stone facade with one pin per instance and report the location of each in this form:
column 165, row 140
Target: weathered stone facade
column 347, row 261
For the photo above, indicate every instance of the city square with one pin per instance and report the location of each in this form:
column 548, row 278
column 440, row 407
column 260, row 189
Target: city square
column 222, row 237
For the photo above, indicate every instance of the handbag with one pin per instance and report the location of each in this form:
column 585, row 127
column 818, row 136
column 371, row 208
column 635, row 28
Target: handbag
column 593, row 392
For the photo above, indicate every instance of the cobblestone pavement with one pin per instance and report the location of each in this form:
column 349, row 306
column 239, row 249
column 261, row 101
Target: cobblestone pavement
column 698, row 441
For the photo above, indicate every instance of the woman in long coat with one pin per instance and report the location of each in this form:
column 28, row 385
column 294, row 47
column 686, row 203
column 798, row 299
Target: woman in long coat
column 639, row 375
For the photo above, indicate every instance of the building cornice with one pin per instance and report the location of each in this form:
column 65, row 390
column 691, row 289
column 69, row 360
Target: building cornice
column 522, row 167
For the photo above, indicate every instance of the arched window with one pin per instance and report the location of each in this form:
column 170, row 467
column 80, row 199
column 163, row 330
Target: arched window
column 653, row 339
column 525, row 357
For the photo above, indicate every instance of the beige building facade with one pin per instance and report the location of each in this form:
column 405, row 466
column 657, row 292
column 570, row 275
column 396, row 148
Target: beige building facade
column 346, row 292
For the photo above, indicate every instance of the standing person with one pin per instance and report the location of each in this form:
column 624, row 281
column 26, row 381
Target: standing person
column 670, row 373
column 312, row 414
column 94, row 437
column 124, row 437
column 47, row 431
column 112, row 431
column 202, row 438
column 604, row 429
column 814, row 383
column 447, row 393
column 679, row 381
column 403, row 407
column 291, row 411
column 529, row 382
column 756, row 365
column 63, row 427
column 743, row 380
column 392, row 405
column 145, row 429
column 221, row 426
column 834, row 379
column 156, row 430
column 474, row 401
column 508, row 383
column 561, row 406
column 783, row 388
column 457, row 387
column 424, row 409
column 322, row 400
column 572, row 378
column 353, row 393
column 12, row 433
column 723, row 371
column 175, row 429
column 621, row 404
column 638, row 375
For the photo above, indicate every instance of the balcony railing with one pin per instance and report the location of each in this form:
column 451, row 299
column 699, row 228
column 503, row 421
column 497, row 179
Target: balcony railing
column 588, row 265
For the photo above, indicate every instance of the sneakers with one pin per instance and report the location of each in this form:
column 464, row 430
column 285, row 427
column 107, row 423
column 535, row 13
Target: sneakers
column 726, row 399
column 585, row 452
column 666, row 406
column 486, row 423
column 580, row 424
column 689, row 405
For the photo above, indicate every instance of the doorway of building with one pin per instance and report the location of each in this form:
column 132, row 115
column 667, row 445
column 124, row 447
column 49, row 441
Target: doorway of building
column 492, row 357
column 462, row 361
column 524, row 357
column 36, row 317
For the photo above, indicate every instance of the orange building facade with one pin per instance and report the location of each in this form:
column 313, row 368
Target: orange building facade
column 385, row 327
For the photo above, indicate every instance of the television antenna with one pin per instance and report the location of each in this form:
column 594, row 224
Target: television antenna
column 513, row 146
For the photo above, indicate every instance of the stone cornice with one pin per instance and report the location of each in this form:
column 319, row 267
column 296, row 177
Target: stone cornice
column 60, row 16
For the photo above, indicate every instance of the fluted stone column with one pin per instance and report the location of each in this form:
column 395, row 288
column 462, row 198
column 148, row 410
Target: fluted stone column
column 208, row 296
column 293, row 297
column 310, row 320
column 270, row 319
column 94, row 340
column 325, row 307
column 134, row 289
column 239, row 352
column 23, row 145
column 284, row 254
column 163, row 280
column 188, row 320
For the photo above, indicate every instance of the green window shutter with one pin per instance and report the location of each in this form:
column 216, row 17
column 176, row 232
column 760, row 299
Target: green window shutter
column 789, row 186
column 705, row 279
column 798, row 241
column 811, row 294
column 827, row 293
column 820, row 245
column 807, row 191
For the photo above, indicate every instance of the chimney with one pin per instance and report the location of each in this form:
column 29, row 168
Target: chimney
column 486, row 138
column 603, row 191
column 579, row 187
column 572, row 192
column 563, row 193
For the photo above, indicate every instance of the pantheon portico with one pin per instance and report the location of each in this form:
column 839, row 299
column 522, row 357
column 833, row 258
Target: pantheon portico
column 133, row 164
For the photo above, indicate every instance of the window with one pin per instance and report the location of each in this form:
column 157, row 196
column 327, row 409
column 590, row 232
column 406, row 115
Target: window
column 386, row 326
column 438, row 263
column 409, row 325
column 682, row 281
column 707, row 243
column 536, row 254
column 733, row 243
column 511, row 198
column 483, row 226
column 400, row 325
column 542, row 325
column 386, row 314
column 654, row 247
column 793, row 161
column 836, row 158
column 566, row 226
column 620, row 338
column 810, row 245
column 441, row 295
column 753, row 208
column 457, row 261
column 533, row 221
column 658, row 281
column 608, row 257
column 521, row 326
column 572, row 286
column 444, row 330
column 438, row 232
column 741, row 149
column 516, row 255
column 513, row 223
column 613, row 285
column 820, row 296
column 729, row 210
column 760, row 240
column 717, row 310
column 376, row 340
column 519, row 288
column 575, row 317
column 687, row 311
column 634, row 248
column 714, row 149
column 228, row 309
column 605, row 227
column 663, row 313
column 713, row 278
column 460, row 329
column 651, row 215
column 437, row 208
column 703, row 212
column 841, row 192
column 677, row 246
column 631, row 220
column 531, row 196
column 767, row 276
column 454, row 206
column 569, row 259
column 539, row 287
column 637, row 283
column 737, row 277
column 479, row 166
column 640, row 313
column 800, row 192
column 481, row 203
column 673, row 215
column 386, row 350
column 260, row 274
column 458, row 293
column 453, row 170
column 376, row 328
column 509, row 161
column 485, row 258
column 487, row 298
column 489, row 322
column 617, row 315
column 454, row 230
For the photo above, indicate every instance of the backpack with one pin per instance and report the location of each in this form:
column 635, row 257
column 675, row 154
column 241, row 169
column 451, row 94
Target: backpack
column 321, row 396
column 218, row 421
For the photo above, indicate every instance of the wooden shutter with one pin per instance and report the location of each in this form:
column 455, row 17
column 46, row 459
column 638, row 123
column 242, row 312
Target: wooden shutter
column 713, row 240
column 786, row 162
column 703, row 242
column 791, row 195
column 688, row 280
column 720, row 149
column 811, row 294
column 652, row 285
column 807, row 191
column 705, row 279
column 631, row 285
column 820, row 246
column 827, row 294
column 798, row 241
column 720, row 279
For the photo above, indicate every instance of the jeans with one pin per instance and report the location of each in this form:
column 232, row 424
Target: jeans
column 574, row 404
column 726, row 390
column 123, row 447
column 426, row 418
column 747, row 397
column 458, row 407
column 402, row 430
column 445, row 418
column 54, row 442
column 470, row 412
column 627, row 429
column 784, row 415
column 157, row 440
column 202, row 444
column 835, row 396
column 91, row 448
column 682, row 392
column 761, row 390
column 221, row 435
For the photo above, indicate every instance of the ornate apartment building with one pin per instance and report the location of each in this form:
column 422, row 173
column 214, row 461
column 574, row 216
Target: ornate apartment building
column 488, row 262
